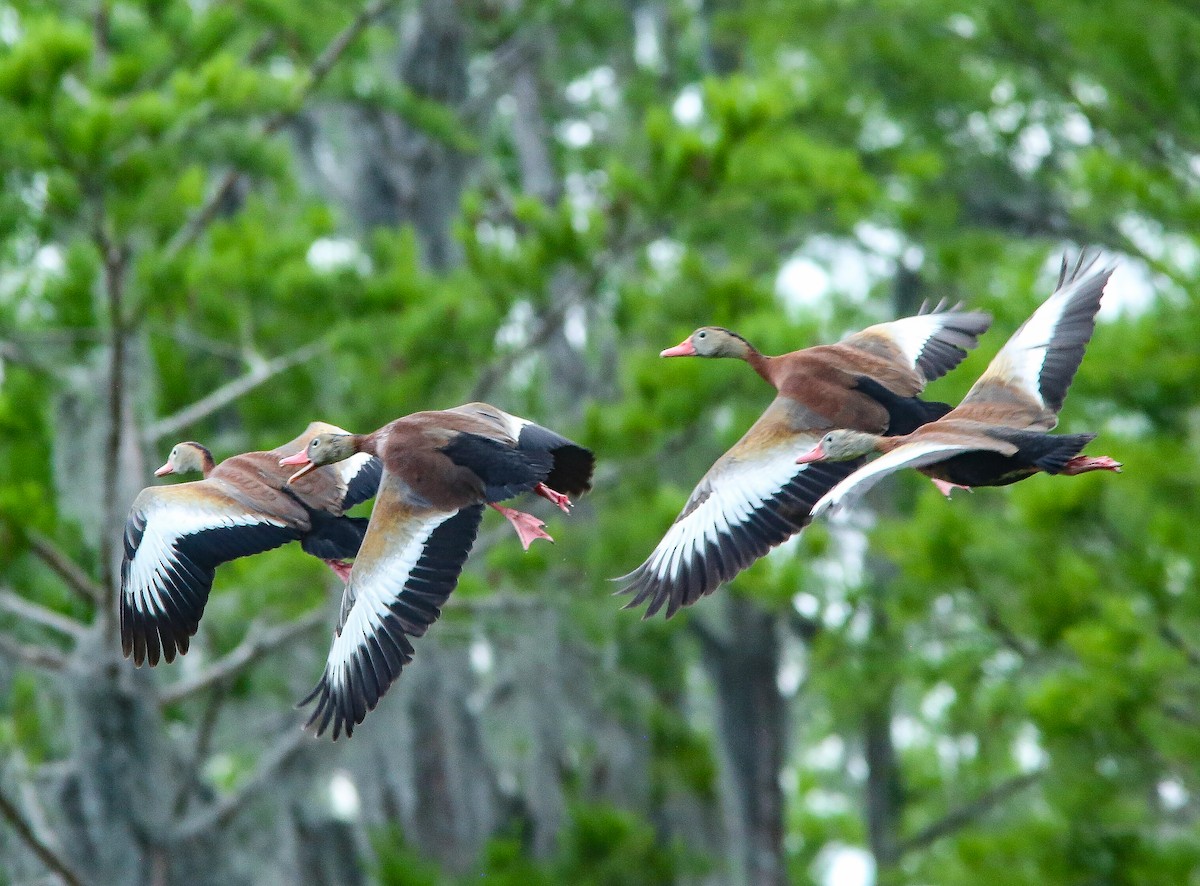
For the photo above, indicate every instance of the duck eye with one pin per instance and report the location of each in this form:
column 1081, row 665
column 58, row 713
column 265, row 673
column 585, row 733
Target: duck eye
column 701, row 335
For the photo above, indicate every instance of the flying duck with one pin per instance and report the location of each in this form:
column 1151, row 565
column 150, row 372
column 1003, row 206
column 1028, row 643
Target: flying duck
column 998, row 434
column 176, row 536
column 439, row 471
column 756, row 496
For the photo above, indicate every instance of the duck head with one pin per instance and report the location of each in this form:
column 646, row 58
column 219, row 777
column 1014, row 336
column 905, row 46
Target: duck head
column 841, row 445
column 323, row 449
column 186, row 458
column 711, row 341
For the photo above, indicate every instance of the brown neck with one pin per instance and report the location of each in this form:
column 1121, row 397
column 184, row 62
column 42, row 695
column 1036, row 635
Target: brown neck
column 760, row 364
column 367, row 443
column 206, row 461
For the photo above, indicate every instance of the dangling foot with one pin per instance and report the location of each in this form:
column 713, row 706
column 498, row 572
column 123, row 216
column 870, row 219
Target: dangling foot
column 555, row 496
column 1081, row 464
column 528, row 526
column 945, row 487
column 340, row 569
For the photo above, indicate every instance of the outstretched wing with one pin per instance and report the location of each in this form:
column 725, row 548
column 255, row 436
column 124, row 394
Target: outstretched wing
column 409, row 563
column 931, row 342
column 175, row 538
column 1029, row 378
column 751, row 500
column 910, row 455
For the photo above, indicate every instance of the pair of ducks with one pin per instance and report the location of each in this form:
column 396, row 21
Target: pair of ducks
column 434, row 472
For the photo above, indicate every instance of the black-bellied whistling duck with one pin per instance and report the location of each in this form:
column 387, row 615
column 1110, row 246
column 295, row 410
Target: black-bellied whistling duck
column 439, row 471
column 998, row 434
column 756, row 496
column 176, row 536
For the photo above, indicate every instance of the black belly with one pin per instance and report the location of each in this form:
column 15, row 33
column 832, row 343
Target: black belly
column 983, row 469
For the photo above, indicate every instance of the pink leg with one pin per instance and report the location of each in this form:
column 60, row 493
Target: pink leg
column 340, row 569
column 528, row 526
column 1081, row 464
column 555, row 496
column 945, row 487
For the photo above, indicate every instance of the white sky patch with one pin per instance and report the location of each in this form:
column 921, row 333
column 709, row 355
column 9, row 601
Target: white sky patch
column 575, row 133
column 1172, row 795
column 937, row 700
column 1088, row 91
column 827, row 754
column 647, row 51
column 575, row 327
column 789, row 780
column 598, row 86
column 10, row 25
column 806, row 604
column 828, row 265
column 802, row 283
column 481, row 655
column 1178, row 575
column 328, row 254
column 790, row 676
column 1027, row 749
column 1004, row 663
column 908, row 732
column 280, row 67
column 514, row 331
column 825, row 803
column 841, row 865
column 344, row 801
column 501, row 237
column 689, row 106
column 664, row 256
column 962, row 25
column 1075, row 128
column 842, row 567
column 1033, row 146
column 856, row 767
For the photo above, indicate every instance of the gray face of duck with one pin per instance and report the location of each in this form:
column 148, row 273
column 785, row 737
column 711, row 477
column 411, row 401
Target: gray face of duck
column 710, row 341
column 185, row 458
column 323, row 449
column 839, row 446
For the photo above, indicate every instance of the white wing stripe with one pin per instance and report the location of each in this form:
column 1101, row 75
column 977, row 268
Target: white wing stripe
column 373, row 589
column 910, row 455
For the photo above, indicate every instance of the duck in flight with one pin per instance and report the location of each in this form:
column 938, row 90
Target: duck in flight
column 999, row 434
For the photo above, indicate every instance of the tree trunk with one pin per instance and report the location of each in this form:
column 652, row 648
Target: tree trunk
column 742, row 657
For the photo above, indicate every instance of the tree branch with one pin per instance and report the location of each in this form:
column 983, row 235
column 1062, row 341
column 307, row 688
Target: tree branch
column 39, row 614
column 64, row 567
column 35, row 656
column 966, row 814
column 257, row 643
column 1175, row 639
column 220, row 398
column 204, row 733
column 48, row 856
column 223, row 811
column 324, row 63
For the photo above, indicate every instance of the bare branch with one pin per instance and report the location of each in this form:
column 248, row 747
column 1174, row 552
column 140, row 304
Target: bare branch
column 1174, row 638
column 35, row 656
column 67, row 569
column 257, row 643
column 39, row 614
column 230, row 391
column 968, row 813
column 48, row 856
column 195, row 226
column 223, row 811
column 204, row 733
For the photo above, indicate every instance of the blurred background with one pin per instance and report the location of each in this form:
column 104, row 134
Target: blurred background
column 220, row 220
